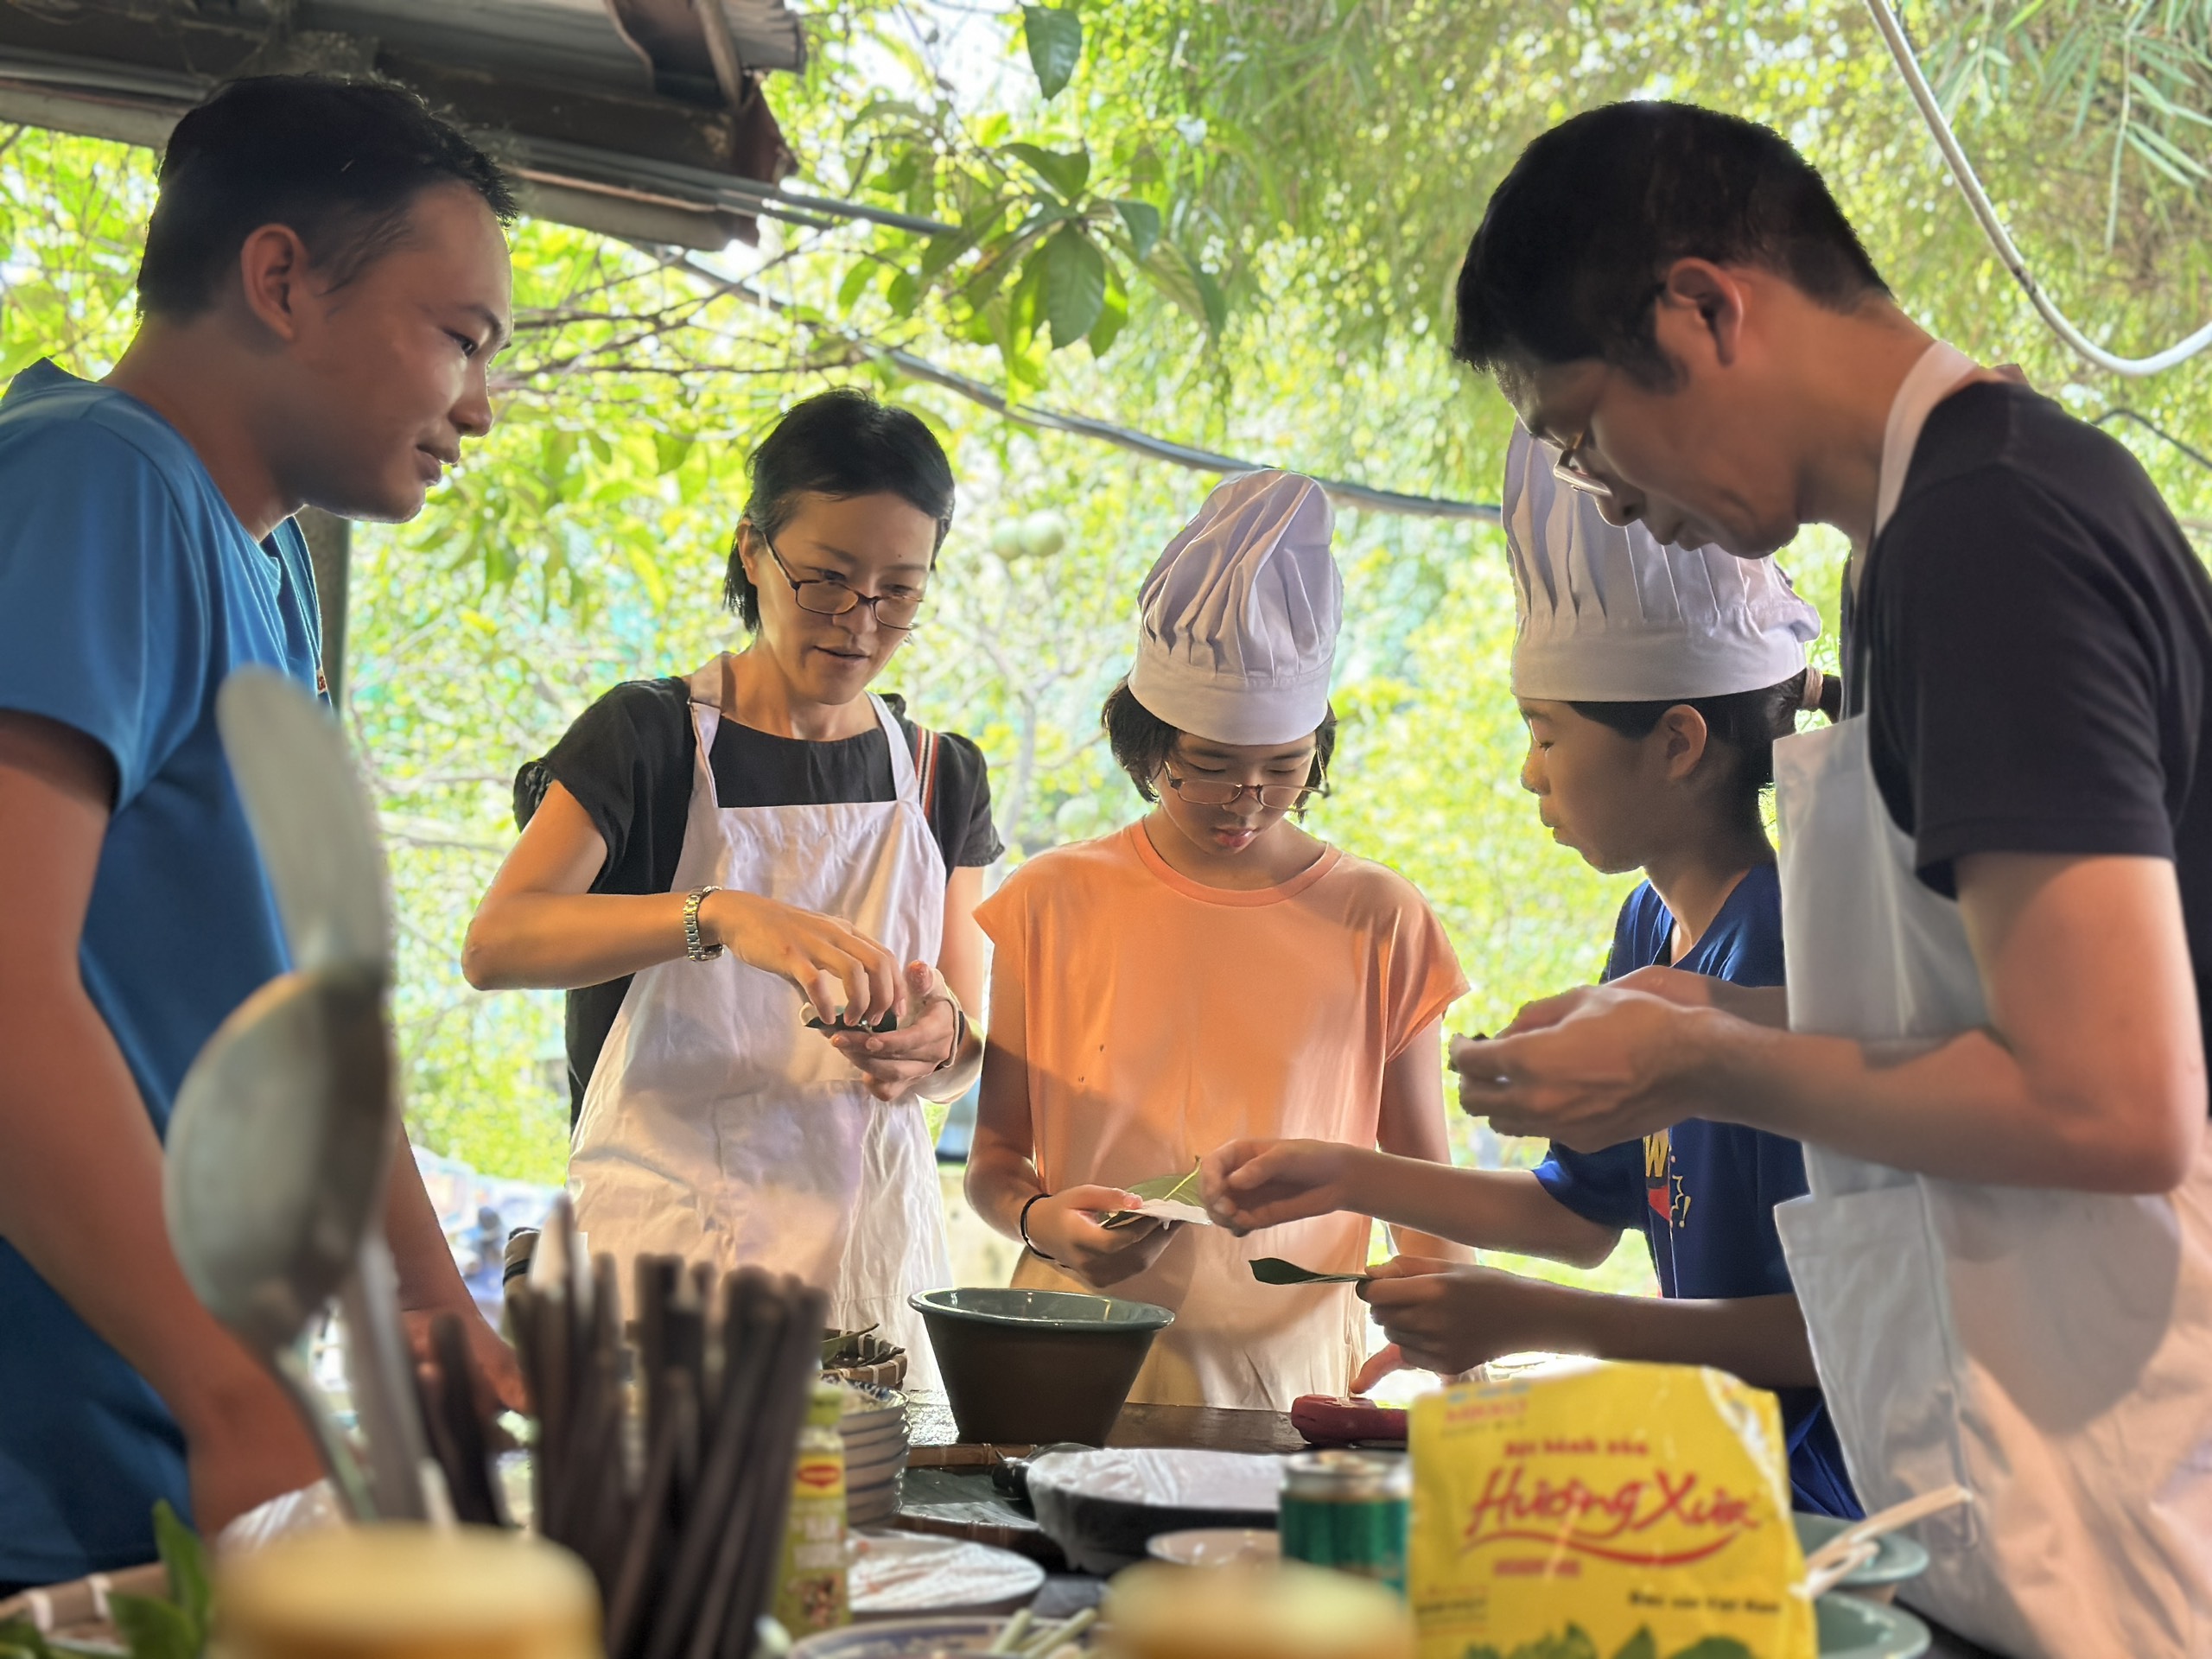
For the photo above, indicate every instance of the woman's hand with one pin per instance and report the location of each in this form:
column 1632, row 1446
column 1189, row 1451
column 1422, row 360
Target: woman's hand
column 894, row 1061
column 1254, row 1184
column 844, row 973
column 1443, row 1316
column 1064, row 1227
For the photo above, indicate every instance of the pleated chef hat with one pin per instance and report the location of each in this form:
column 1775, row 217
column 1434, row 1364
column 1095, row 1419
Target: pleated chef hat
column 1237, row 625
column 1606, row 615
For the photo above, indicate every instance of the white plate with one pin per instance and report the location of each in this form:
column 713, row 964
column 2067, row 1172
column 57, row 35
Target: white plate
column 896, row 1574
column 1215, row 1546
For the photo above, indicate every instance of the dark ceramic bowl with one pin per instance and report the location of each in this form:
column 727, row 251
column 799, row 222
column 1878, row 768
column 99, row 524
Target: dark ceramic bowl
column 1026, row 1367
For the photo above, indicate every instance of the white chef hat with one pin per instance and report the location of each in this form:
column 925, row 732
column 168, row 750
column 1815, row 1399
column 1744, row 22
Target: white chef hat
column 1237, row 625
column 1606, row 615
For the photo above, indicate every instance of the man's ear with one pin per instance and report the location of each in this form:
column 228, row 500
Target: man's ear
column 273, row 267
column 749, row 542
column 1700, row 311
column 1686, row 737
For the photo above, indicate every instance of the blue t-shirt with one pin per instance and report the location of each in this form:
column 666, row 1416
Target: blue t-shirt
column 128, row 591
column 1703, row 1195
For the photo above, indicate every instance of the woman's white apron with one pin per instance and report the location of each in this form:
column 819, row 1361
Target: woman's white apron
column 2049, row 1350
column 717, row 1127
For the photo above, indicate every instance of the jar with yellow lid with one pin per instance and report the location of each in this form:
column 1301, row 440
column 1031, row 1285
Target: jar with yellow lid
column 401, row 1592
column 1288, row 1610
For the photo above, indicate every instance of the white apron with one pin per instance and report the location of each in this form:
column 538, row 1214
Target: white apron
column 716, row 1126
column 2051, row 1352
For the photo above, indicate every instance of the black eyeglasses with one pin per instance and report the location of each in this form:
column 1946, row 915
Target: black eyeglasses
column 831, row 597
column 1280, row 798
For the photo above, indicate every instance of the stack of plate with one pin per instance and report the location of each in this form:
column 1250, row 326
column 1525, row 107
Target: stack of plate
column 874, row 1427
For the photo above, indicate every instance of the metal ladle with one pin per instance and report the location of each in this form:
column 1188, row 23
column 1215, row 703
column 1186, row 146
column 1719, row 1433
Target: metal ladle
column 274, row 1170
column 281, row 1137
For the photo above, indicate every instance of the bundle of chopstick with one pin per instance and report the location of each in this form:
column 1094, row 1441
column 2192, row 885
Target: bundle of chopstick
column 686, row 1538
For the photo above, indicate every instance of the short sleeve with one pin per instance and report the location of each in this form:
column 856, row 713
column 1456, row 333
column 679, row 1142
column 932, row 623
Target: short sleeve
column 1422, row 978
column 105, row 602
column 2020, row 675
column 628, row 761
column 963, row 818
column 1605, row 1186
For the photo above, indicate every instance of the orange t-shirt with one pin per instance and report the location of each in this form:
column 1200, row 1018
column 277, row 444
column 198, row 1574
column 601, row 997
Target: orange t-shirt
column 1163, row 1018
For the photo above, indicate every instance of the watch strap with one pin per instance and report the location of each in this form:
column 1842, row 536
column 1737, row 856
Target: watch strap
column 694, row 946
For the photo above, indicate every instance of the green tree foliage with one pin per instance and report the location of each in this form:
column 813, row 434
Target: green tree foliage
column 1233, row 222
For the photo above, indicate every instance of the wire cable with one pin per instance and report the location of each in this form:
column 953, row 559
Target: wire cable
column 1885, row 19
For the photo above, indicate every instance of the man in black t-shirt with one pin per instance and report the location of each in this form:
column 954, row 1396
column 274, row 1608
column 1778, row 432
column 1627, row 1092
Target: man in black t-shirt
column 1997, row 885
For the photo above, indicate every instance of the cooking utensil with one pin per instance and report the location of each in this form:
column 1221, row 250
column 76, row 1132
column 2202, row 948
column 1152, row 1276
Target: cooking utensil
column 1103, row 1508
column 311, row 822
column 274, row 1167
column 1898, row 1556
column 1855, row 1547
column 318, row 843
column 1030, row 1366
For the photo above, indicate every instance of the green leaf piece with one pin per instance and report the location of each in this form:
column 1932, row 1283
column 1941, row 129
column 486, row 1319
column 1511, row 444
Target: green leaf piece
column 1054, row 34
column 186, row 1558
column 1075, row 285
column 1716, row 1647
column 1065, row 170
column 1639, row 1646
column 1274, row 1270
column 152, row 1628
column 1142, row 220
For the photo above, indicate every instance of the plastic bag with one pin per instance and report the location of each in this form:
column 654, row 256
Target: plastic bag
column 1610, row 1512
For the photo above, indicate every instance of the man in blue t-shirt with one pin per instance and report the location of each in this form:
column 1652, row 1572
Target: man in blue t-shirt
column 325, row 280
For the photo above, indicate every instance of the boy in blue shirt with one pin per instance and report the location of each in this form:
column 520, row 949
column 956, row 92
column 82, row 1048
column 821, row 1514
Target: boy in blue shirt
column 1653, row 681
column 324, row 281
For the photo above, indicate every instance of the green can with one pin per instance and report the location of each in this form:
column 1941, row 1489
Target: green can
column 1347, row 1511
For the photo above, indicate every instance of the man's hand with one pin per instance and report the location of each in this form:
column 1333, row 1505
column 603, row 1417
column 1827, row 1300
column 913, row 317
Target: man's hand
column 1614, row 1067
column 1446, row 1318
column 1065, row 1228
column 245, row 1445
column 1254, row 1184
column 499, row 1385
column 894, row 1061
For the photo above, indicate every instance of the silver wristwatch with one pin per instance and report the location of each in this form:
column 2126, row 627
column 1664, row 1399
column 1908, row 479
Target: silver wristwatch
column 695, row 947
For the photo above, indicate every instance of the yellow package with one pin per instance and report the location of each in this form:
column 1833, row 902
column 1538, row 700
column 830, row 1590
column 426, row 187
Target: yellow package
column 1609, row 1512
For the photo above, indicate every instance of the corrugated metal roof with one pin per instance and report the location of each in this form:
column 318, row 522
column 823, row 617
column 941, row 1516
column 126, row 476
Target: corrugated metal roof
column 641, row 118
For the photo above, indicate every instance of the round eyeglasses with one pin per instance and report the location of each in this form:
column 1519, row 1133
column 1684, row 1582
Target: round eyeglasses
column 1280, row 798
column 1575, row 473
column 831, row 597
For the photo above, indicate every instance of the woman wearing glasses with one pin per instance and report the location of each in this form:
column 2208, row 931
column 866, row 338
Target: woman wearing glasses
column 714, row 866
column 1212, row 973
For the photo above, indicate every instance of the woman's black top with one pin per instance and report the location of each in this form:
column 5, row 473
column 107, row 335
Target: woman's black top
column 628, row 762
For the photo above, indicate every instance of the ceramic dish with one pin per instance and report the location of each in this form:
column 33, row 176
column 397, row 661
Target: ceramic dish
column 905, row 1638
column 906, row 1575
column 1901, row 1557
column 1851, row 1627
column 1215, row 1546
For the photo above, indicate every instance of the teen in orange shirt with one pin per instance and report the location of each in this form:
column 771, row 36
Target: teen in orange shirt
column 1212, row 972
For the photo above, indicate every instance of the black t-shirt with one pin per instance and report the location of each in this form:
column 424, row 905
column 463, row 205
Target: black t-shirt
column 628, row 761
column 2037, row 632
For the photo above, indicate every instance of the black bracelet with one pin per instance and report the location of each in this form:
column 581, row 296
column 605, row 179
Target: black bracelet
column 1022, row 1227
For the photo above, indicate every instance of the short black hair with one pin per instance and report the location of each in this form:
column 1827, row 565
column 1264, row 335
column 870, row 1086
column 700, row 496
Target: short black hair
column 841, row 444
column 1742, row 726
column 1576, row 243
column 341, row 161
column 1142, row 741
